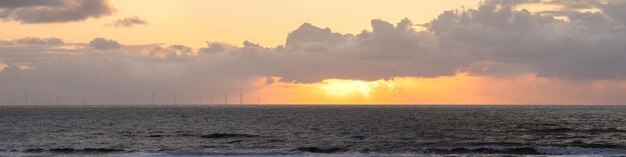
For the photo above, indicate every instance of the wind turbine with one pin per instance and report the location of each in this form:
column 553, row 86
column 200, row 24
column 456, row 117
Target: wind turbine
column 152, row 98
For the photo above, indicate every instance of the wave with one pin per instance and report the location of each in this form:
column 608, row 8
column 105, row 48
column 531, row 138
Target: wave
column 570, row 130
column 222, row 135
column 155, row 135
column 273, row 140
column 208, row 136
column 85, row 150
column 324, row 151
column 485, row 150
column 534, row 150
column 553, row 150
column 552, row 130
column 582, row 144
column 319, row 149
column 69, row 150
column 358, row 137
column 606, row 130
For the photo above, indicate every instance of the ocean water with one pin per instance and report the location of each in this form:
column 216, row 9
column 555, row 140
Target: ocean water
column 312, row 130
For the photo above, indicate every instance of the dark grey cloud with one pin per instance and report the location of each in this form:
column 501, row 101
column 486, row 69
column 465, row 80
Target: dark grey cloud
column 577, row 4
column 53, row 11
column 103, row 44
column 615, row 10
column 129, row 22
column 589, row 46
column 30, row 3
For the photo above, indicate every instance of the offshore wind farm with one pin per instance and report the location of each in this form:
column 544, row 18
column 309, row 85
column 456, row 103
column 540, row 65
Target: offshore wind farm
column 151, row 99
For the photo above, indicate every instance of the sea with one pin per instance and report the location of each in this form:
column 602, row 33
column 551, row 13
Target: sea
column 313, row 130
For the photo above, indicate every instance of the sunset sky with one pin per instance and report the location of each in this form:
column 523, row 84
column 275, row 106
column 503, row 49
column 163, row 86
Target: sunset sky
column 313, row 51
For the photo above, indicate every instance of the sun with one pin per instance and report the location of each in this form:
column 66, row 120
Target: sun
column 339, row 87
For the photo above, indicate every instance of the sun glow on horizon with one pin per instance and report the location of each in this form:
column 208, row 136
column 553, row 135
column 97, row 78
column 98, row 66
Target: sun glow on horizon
column 339, row 87
column 458, row 89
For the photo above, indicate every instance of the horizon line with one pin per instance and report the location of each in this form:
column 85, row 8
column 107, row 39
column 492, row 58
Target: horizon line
column 322, row 104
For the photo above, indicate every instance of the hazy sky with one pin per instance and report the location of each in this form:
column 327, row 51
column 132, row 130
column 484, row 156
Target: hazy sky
column 313, row 52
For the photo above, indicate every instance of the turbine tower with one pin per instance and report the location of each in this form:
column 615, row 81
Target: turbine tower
column 225, row 99
column 241, row 97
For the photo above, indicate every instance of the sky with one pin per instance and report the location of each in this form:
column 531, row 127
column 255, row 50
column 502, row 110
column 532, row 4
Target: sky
column 570, row 52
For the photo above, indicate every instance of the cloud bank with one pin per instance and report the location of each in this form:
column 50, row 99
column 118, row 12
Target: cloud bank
column 103, row 44
column 53, row 11
column 496, row 40
column 129, row 22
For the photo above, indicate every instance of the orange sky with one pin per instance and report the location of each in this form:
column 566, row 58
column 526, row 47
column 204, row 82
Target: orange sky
column 193, row 22
column 174, row 33
column 459, row 89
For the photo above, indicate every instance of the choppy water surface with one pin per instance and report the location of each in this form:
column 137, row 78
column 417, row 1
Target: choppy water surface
column 312, row 130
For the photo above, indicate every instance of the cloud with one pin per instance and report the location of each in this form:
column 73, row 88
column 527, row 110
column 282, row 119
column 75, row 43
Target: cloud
column 566, row 4
column 31, row 50
column 29, row 3
column 34, row 41
column 588, row 46
column 102, row 44
column 495, row 41
column 615, row 10
column 39, row 41
column 308, row 33
column 53, row 11
column 214, row 48
column 172, row 53
column 129, row 22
